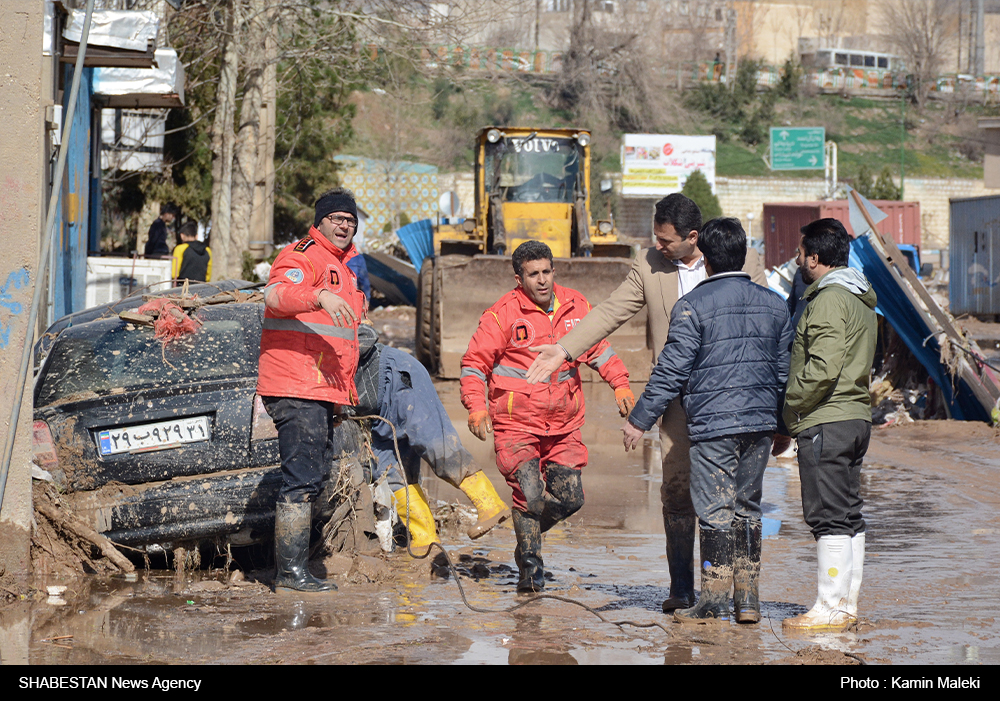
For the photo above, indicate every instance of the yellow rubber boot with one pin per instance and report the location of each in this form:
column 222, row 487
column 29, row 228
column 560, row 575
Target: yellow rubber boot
column 417, row 515
column 489, row 506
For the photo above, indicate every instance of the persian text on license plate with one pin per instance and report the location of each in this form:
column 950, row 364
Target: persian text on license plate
column 165, row 434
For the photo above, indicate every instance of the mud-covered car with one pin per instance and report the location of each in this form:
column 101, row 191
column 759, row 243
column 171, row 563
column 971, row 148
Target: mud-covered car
column 161, row 444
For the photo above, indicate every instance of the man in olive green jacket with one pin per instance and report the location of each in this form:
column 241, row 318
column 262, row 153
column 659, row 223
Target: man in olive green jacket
column 828, row 410
column 659, row 277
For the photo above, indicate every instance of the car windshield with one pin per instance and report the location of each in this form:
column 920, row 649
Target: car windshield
column 109, row 357
column 534, row 170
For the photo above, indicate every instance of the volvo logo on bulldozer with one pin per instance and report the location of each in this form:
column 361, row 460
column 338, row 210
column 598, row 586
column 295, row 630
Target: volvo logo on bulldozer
column 536, row 146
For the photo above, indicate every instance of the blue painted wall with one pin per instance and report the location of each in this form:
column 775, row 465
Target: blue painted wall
column 72, row 242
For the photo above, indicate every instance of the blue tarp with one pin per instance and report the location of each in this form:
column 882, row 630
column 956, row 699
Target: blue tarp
column 418, row 240
column 392, row 284
column 911, row 325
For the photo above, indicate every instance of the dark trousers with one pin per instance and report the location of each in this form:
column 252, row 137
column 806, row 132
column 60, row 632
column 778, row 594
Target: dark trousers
column 830, row 457
column 727, row 477
column 307, row 443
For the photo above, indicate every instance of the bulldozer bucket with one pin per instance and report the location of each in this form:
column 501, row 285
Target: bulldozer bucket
column 464, row 287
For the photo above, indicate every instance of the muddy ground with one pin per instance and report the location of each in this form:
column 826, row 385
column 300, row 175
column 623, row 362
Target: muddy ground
column 929, row 595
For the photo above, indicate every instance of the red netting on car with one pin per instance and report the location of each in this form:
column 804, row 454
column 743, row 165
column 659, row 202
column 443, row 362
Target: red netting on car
column 172, row 322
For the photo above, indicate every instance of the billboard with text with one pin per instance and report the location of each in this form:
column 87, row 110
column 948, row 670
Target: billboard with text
column 654, row 165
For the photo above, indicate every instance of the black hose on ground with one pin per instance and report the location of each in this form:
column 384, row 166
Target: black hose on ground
column 454, row 570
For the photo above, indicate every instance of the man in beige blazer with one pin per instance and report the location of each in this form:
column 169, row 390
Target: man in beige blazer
column 659, row 277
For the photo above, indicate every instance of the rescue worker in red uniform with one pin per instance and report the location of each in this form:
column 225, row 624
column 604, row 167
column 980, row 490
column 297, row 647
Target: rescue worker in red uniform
column 536, row 428
column 308, row 358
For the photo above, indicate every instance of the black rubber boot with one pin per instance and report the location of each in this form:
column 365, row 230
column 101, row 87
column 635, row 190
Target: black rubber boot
column 528, row 553
column 746, row 569
column 716, row 580
column 680, row 561
column 564, row 497
column 292, row 523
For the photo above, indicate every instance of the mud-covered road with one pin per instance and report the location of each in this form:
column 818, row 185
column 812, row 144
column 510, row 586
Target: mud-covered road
column 929, row 595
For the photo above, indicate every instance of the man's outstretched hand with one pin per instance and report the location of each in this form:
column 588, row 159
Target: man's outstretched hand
column 632, row 436
column 550, row 359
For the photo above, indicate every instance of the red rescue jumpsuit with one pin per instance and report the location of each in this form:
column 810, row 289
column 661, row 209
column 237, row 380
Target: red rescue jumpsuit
column 307, row 364
column 540, row 421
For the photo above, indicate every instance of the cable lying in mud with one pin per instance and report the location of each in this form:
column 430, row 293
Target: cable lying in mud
column 454, row 571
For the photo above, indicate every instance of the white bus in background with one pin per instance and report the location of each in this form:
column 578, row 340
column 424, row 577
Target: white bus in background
column 830, row 59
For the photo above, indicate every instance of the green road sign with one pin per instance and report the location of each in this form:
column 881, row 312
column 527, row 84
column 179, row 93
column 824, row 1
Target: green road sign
column 798, row 148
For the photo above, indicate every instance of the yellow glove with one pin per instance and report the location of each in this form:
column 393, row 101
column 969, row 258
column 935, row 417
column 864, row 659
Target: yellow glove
column 480, row 424
column 625, row 400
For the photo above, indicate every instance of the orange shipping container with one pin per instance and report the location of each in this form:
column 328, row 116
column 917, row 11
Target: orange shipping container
column 783, row 221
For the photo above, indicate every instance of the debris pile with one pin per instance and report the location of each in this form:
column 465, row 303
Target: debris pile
column 901, row 389
column 170, row 315
column 63, row 544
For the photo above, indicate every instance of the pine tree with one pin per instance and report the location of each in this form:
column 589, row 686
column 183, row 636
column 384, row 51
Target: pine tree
column 697, row 189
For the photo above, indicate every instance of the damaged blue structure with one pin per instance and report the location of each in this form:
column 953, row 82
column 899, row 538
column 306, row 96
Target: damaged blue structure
column 963, row 400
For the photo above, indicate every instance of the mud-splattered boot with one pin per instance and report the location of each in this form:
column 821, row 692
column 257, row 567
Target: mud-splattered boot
column 489, row 506
column 415, row 513
column 292, row 523
column 716, row 580
column 564, row 494
column 746, row 569
column 834, row 555
column 528, row 553
column 680, row 561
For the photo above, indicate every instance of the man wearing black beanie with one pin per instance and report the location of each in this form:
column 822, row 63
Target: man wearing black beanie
column 308, row 359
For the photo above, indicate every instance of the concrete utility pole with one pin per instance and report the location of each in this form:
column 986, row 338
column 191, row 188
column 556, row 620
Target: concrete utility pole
column 22, row 188
column 731, row 48
column 980, row 25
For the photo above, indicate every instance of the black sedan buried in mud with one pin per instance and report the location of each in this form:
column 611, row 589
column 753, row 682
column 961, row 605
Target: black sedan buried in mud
column 158, row 444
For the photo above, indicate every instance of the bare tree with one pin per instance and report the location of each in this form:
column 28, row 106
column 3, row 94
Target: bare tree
column 223, row 139
column 605, row 70
column 922, row 33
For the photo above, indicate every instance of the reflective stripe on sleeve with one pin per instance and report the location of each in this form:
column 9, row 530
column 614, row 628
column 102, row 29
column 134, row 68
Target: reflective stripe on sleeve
column 472, row 372
column 307, row 327
column 604, row 357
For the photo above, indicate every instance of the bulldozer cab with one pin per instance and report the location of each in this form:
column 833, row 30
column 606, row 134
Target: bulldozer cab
column 530, row 184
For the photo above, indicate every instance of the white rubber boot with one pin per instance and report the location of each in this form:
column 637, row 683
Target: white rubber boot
column 834, row 556
column 857, row 567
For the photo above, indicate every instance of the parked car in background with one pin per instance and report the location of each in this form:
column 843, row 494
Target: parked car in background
column 158, row 444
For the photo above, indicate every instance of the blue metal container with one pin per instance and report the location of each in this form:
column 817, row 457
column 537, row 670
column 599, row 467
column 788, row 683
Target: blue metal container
column 974, row 256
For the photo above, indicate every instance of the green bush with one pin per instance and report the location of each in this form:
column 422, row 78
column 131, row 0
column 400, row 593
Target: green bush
column 697, row 189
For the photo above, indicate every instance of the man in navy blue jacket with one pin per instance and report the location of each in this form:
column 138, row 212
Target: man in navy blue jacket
column 727, row 356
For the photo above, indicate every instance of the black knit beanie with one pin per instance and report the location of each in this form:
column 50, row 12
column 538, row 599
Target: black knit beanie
column 328, row 204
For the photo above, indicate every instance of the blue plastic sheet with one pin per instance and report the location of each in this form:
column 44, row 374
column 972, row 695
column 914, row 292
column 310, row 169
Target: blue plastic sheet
column 911, row 325
column 418, row 240
column 390, row 283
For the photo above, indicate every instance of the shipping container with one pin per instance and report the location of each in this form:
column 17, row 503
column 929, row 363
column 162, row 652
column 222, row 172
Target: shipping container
column 783, row 222
column 974, row 252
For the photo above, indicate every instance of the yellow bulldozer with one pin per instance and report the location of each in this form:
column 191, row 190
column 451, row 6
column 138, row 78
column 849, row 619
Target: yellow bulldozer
column 531, row 184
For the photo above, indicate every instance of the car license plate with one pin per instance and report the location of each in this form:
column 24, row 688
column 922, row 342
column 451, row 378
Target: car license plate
column 165, row 434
